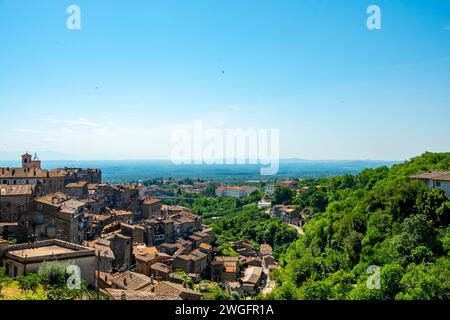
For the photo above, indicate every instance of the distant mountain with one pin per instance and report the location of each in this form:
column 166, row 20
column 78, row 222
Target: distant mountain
column 120, row 171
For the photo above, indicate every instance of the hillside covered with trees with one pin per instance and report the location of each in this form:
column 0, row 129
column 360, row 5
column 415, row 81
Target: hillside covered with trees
column 379, row 217
column 237, row 219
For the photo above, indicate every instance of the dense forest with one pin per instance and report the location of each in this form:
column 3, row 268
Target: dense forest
column 378, row 223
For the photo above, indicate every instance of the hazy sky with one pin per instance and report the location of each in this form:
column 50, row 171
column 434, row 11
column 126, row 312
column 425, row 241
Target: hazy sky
column 117, row 88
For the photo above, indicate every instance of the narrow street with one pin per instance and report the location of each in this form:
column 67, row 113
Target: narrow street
column 299, row 229
column 270, row 284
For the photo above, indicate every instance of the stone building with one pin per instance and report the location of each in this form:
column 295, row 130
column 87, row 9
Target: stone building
column 49, row 181
column 169, row 248
column 105, row 255
column 29, row 162
column 120, row 244
column 288, row 214
column 225, row 269
column 119, row 294
column 129, row 280
column 151, row 208
column 77, row 190
column 160, row 271
column 252, row 278
column 54, row 216
column 145, row 262
column 121, row 197
column 165, row 287
column 12, row 196
column 195, row 262
column 21, row 259
column 79, row 174
column 155, row 231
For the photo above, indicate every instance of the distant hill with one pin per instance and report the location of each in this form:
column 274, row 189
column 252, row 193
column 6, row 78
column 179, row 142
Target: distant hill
column 117, row 171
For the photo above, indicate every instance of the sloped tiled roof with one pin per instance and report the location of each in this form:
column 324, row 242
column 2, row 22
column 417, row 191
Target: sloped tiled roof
column 118, row 294
column 252, row 275
column 433, row 175
column 131, row 280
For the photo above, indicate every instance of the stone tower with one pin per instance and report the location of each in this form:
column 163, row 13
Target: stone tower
column 29, row 162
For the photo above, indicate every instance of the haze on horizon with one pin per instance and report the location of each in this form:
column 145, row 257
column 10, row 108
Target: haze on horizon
column 119, row 87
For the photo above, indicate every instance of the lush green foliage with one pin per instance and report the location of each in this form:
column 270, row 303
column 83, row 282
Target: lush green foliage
column 4, row 280
column 30, row 282
column 253, row 224
column 50, row 283
column 283, row 195
column 379, row 217
column 237, row 219
column 314, row 198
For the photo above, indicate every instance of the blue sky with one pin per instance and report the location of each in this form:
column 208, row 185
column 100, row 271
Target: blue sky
column 136, row 70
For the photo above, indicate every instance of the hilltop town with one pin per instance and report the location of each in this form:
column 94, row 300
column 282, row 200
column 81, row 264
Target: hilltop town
column 127, row 243
column 167, row 239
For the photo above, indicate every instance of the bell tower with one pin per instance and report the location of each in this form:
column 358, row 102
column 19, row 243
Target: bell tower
column 29, row 162
column 26, row 160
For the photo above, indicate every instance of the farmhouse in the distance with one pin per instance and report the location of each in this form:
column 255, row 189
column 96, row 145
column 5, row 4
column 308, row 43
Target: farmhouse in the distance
column 235, row 191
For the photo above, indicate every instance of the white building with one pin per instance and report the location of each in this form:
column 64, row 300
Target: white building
column 235, row 191
column 270, row 189
column 264, row 204
column 436, row 179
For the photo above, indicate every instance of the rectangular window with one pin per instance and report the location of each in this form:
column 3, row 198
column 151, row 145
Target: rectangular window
column 438, row 184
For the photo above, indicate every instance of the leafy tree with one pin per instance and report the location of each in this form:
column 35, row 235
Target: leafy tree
column 377, row 217
column 53, row 273
column 4, row 279
column 314, row 198
column 315, row 290
column 391, row 275
column 29, row 282
column 283, row 195
column 210, row 191
column 426, row 281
